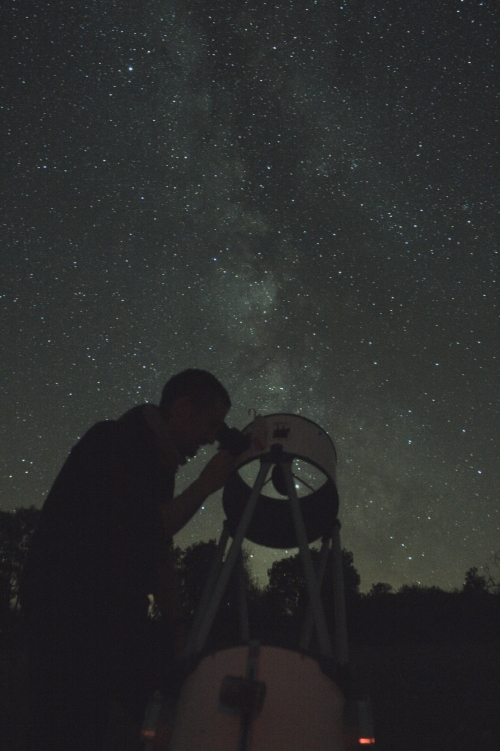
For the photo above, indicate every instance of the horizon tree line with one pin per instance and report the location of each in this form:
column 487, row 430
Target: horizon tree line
column 414, row 612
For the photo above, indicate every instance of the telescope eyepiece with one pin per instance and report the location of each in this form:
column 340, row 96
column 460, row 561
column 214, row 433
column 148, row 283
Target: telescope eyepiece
column 233, row 440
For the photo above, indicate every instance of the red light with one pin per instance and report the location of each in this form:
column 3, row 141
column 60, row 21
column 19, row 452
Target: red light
column 367, row 741
column 148, row 733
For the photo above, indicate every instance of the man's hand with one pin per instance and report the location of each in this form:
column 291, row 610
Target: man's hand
column 215, row 474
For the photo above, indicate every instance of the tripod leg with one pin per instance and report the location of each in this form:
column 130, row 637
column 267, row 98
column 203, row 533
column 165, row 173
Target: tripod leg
column 305, row 639
column 341, row 643
column 244, row 624
column 208, row 589
column 312, row 584
column 228, row 565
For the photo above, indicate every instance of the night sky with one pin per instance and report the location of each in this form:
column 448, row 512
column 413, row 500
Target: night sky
column 301, row 197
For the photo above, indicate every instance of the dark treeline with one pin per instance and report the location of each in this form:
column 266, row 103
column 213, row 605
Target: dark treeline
column 428, row 658
column 414, row 614
column 16, row 528
column 382, row 616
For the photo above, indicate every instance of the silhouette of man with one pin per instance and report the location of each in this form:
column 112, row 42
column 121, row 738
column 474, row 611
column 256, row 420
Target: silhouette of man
column 100, row 549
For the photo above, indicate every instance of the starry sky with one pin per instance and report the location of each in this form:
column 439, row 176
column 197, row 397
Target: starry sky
column 303, row 198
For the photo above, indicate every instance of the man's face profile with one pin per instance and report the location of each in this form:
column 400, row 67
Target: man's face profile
column 193, row 426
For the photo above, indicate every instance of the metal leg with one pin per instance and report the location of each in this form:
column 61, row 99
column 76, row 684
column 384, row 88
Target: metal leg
column 307, row 628
column 244, row 624
column 221, row 572
column 341, row 642
column 207, row 618
column 312, row 584
column 209, row 588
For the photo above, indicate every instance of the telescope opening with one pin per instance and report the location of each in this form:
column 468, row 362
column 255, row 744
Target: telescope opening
column 307, row 477
column 286, row 444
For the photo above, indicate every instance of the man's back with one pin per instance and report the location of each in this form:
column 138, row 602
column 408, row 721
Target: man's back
column 92, row 563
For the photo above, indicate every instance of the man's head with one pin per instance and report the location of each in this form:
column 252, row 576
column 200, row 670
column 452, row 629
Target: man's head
column 194, row 405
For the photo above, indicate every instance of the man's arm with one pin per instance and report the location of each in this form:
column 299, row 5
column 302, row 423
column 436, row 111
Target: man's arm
column 182, row 508
column 169, row 600
column 168, row 593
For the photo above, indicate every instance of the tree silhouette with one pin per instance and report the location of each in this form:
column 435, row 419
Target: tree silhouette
column 16, row 529
column 380, row 589
column 193, row 566
column 420, row 614
column 287, row 581
column 493, row 577
column 286, row 596
column 475, row 584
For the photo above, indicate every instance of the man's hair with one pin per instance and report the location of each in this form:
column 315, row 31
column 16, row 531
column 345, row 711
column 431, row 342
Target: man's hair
column 203, row 389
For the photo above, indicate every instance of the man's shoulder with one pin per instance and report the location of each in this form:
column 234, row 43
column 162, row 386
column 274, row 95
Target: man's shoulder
column 109, row 439
column 131, row 422
column 133, row 417
column 99, row 433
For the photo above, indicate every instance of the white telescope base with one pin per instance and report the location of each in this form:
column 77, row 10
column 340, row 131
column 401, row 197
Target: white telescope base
column 302, row 708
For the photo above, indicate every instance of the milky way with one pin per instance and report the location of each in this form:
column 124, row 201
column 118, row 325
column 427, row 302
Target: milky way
column 299, row 197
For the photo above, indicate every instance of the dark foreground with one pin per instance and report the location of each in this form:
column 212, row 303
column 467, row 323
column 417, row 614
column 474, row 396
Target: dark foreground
column 433, row 697
column 438, row 697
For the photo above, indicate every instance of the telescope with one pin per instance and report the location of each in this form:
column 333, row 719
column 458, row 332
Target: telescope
column 282, row 494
